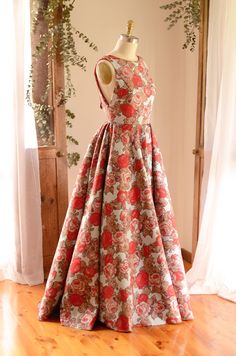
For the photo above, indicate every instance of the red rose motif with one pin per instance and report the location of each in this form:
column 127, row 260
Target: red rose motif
column 127, row 110
column 160, row 306
column 72, row 224
column 161, row 192
column 137, row 99
column 126, row 127
column 134, row 195
column 160, row 260
column 157, row 157
column 125, row 138
column 138, row 164
column 78, row 285
column 112, row 306
column 75, row 265
column 137, row 81
column 108, row 258
column 90, row 271
column 88, row 319
column 142, row 309
column 108, row 209
column 165, row 229
column 125, row 177
column 170, row 291
column 135, row 226
column 97, row 203
column 142, row 279
column 72, row 235
column 109, row 270
column 122, row 196
column 106, row 239
column 142, row 298
column 173, row 320
column 110, row 180
column 94, row 291
column 158, row 240
column 121, row 92
column 174, row 258
column 132, row 247
column 123, row 160
column 124, row 215
column 144, row 144
column 135, row 214
column 78, row 202
column 81, row 247
column 147, row 194
column 123, row 295
column 150, row 223
column 122, row 323
column 85, row 236
column 98, row 181
column 148, row 90
column 140, row 68
column 155, row 279
column 146, row 251
column 124, row 266
column 179, row 276
column 126, row 71
column 51, row 293
column 108, row 292
column 76, row 299
column 95, row 219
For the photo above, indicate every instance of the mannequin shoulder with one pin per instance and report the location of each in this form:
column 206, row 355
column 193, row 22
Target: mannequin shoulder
column 105, row 71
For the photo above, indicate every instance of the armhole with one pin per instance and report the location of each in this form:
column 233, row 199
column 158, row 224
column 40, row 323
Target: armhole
column 98, row 84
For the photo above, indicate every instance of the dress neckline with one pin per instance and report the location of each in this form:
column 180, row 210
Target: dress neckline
column 123, row 59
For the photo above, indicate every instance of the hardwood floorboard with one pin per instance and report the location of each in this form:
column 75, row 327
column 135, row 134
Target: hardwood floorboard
column 212, row 332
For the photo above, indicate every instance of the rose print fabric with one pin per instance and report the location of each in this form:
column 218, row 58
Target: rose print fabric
column 118, row 258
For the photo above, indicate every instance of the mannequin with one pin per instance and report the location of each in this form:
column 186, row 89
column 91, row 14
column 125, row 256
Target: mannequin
column 125, row 48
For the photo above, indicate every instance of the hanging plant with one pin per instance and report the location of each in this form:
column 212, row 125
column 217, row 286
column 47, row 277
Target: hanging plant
column 189, row 12
column 58, row 40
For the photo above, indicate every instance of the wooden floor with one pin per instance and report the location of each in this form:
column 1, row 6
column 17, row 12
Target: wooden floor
column 213, row 332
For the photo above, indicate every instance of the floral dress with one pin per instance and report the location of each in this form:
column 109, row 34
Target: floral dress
column 118, row 258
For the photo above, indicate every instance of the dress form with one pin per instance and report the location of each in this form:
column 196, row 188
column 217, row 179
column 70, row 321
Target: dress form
column 125, row 48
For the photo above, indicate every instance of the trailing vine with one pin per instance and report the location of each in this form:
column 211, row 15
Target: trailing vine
column 189, row 12
column 57, row 41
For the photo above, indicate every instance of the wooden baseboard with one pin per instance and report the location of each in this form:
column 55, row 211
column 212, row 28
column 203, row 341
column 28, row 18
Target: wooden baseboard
column 187, row 256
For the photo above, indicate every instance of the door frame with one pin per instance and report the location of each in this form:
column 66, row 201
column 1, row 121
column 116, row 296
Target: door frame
column 198, row 151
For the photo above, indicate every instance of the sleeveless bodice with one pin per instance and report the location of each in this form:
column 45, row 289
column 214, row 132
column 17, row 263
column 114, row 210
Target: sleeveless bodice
column 133, row 94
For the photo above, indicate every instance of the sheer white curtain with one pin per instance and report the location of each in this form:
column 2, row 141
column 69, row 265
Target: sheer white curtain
column 20, row 220
column 214, row 266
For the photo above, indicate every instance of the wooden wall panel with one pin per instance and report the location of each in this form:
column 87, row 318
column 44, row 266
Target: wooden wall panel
column 49, row 203
column 198, row 151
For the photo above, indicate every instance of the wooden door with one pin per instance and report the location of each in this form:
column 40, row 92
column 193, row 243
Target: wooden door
column 52, row 152
column 198, row 151
column 53, row 177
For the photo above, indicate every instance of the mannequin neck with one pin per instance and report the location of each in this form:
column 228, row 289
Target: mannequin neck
column 126, row 49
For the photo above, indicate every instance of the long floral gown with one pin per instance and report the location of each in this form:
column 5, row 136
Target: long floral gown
column 118, row 258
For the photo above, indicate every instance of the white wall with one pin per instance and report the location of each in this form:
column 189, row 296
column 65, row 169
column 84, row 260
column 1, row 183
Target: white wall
column 175, row 73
